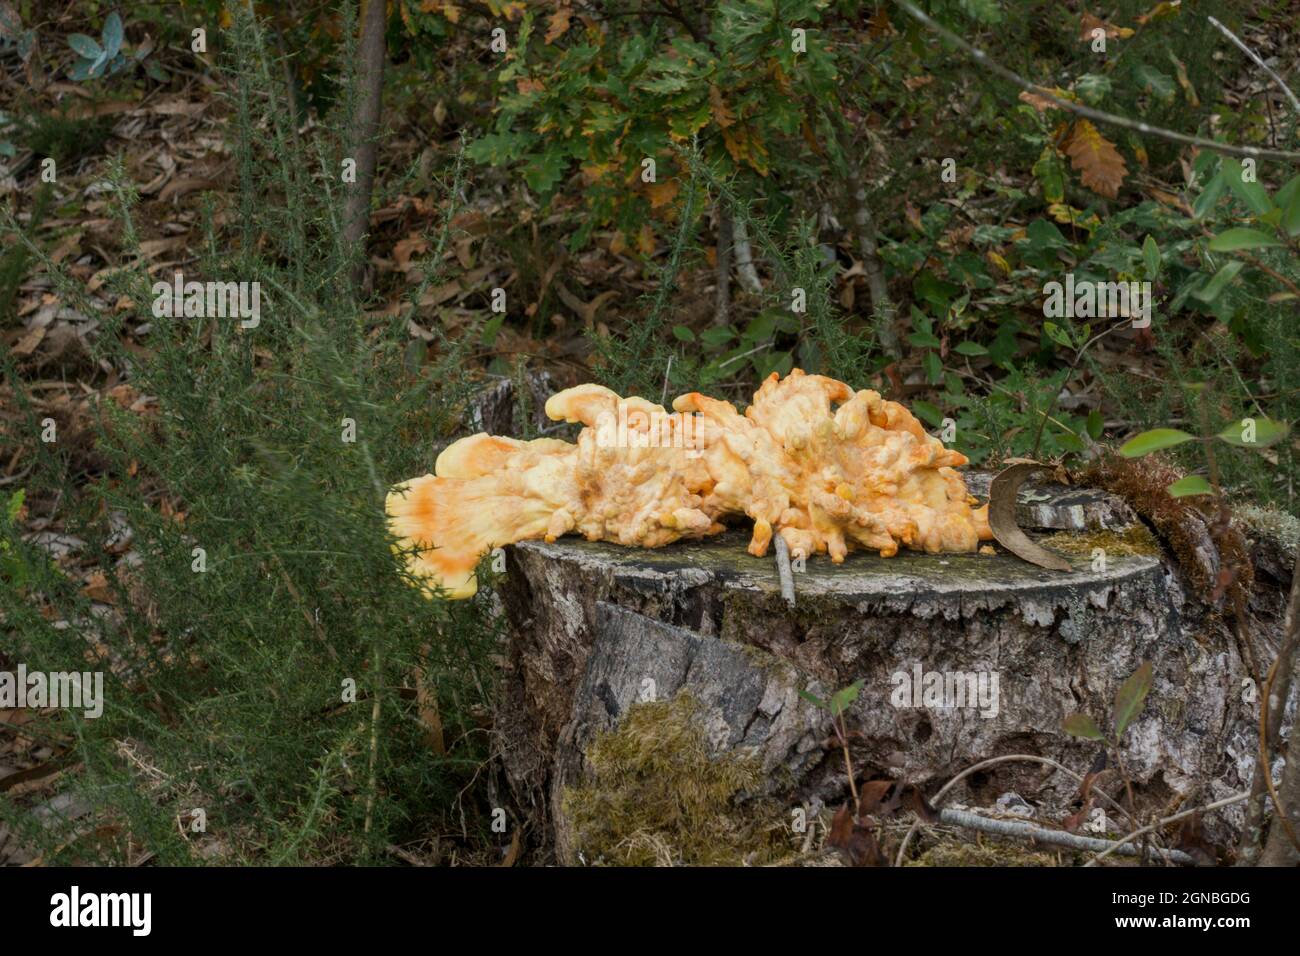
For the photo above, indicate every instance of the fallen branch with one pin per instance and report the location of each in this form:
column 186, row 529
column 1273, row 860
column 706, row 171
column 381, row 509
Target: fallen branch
column 1099, row 116
column 1030, row 831
column 991, row 762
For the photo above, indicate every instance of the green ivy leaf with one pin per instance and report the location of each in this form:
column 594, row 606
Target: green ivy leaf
column 842, row 698
column 1191, row 485
column 1057, row 335
column 1266, row 432
column 1252, row 194
column 1291, row 215
column 683, row 334
column 1081, row 725
column 1151, row 257
column 1209, row 196
column 933, row 367
column 1231, row 240
column 1212, row 289
column 929, row 413
column 1050, row 173
column 1130, row 697
column 716, row 338
column 814, row 700
column 1095, row 425
column 1153, row 440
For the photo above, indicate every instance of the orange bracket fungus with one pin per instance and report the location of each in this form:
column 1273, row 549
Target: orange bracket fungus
column 826, row 468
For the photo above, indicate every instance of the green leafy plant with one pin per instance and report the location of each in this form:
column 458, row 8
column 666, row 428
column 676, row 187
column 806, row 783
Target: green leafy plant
column 109, row 55
column 1130, row 697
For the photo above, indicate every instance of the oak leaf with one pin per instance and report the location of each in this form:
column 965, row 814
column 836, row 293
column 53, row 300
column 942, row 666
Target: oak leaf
column 722, row 115
column 1100, row 165
column 558, row 24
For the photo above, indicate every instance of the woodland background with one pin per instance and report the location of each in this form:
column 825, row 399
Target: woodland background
column 919, row 200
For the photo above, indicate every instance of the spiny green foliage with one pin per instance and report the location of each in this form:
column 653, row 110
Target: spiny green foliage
column 658, row 795
column 226, row 668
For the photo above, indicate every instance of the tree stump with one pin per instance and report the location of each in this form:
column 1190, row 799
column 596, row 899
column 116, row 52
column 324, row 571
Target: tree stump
column 596, row 630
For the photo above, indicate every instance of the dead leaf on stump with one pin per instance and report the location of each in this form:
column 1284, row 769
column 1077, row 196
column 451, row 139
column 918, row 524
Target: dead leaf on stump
column 1003, row 492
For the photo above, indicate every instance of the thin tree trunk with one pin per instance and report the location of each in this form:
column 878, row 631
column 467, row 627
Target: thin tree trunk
column 365, row 128
column 881, row 306
column 745, row 269
column 722, row 314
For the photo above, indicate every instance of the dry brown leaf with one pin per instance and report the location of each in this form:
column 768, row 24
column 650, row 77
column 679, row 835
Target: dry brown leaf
column 96, row 588
column 661, row 193
column 558, row 24
column 183, row 187
column 585, row 310
column 1042, row 103
column 27, row 344
column 512, row 855
column 722, row 115
column 1166, row 8
column 1088, row 23
column 1003, row 493
column 913, row 217
column 405, row 249
column 1100, row 165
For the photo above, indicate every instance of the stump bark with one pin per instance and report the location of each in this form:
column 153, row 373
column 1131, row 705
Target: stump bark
column 595, row 629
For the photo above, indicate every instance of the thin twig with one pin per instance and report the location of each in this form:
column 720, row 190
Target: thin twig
column 1295, row 103
column 783, row 571
column 1217, row 804
column 1100, row 116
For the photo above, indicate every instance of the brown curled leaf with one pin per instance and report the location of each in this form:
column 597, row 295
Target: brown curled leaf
column 1003, row 492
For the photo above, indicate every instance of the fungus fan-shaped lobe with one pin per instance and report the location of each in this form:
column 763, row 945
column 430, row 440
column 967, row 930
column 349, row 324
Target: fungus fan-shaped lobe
column 864, row 475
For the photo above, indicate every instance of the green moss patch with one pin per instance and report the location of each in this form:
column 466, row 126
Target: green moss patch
column 658, row 796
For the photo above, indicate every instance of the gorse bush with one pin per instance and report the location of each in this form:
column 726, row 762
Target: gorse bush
column 268, row 671
column 275, row 690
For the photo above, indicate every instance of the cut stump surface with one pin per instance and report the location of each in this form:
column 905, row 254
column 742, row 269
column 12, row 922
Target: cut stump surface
column 596, row 628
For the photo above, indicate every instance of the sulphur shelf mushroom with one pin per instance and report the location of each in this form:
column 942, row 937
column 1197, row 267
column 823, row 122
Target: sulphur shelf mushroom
column 863, row 475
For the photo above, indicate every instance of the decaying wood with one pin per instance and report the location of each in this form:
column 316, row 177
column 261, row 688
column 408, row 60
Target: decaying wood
column 592, row 626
